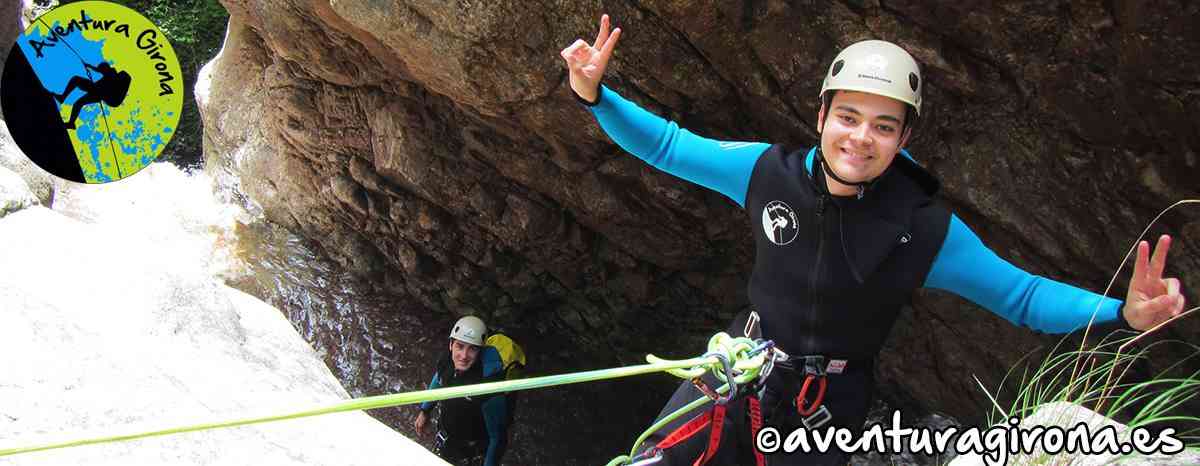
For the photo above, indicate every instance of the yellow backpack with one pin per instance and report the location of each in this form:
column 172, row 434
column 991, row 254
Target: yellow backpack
column 511, row 355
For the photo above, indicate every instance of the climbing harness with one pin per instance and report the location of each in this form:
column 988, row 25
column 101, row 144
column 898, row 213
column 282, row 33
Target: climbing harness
column 733, row 376
column 808, row 372
column 736, row 385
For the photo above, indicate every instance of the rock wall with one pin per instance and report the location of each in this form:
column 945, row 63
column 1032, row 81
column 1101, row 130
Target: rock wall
column 11, row 26
column 435, row 149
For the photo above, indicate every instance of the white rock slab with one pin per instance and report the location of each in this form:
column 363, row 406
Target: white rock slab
column 14, row 193
column 104, row 333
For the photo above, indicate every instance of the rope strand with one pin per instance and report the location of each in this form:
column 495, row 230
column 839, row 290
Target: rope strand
column 745, row 362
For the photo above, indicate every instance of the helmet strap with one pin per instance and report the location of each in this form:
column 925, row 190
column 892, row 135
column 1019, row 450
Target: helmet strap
column 828, row 169
column 826, row 101
column 861, row 185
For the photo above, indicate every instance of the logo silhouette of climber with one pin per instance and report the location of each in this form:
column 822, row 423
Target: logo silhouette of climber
column 111, row 89
column 779, row 221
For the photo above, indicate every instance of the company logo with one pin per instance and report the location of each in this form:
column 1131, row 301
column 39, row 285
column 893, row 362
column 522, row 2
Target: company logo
column 92, row 92
column 779, row 223
column 873, row 67
column 876, row 62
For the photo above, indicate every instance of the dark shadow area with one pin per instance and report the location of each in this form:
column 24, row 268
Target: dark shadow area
column 32, row 116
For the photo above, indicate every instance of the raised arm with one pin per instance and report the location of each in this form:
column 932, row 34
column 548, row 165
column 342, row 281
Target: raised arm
column 966, row 267
column 723, row 166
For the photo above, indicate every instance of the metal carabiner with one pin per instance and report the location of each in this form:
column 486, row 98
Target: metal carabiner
column 773, row 353
column 658, row 456
column 802, row 397
column 763, row 345
column 727, row 369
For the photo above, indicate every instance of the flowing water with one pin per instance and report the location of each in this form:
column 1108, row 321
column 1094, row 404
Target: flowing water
column 375, row 342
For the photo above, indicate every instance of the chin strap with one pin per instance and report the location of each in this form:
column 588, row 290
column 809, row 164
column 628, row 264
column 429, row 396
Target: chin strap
column 861, row 186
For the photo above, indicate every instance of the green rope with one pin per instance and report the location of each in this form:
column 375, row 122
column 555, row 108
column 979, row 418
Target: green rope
column 693, row 365
column 737, row 350
column 698, row 402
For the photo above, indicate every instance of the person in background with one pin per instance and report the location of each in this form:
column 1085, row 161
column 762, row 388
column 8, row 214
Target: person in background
column 470, row 430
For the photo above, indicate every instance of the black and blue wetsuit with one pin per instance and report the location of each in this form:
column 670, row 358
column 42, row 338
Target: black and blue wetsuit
column 831, row 273
column 471, row 428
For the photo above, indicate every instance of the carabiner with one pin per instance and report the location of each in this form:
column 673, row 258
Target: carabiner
column 802, row 397
column 658, row 456
column 727, row 369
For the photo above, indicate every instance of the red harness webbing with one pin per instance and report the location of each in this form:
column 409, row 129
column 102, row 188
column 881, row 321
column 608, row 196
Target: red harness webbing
column 715, row 418
column 685, row 431
column 756, row 424
column 714, row 435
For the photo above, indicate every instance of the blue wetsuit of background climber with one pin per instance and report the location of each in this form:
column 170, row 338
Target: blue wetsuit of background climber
column 831, row 273
column 471, row 428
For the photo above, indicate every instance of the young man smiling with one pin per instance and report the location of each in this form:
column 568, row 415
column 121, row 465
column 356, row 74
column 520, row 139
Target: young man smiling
column 850, row 229
column 862, row 137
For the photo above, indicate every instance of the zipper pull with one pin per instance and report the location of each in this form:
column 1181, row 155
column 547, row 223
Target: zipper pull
column 820, row 205
column 861, row 192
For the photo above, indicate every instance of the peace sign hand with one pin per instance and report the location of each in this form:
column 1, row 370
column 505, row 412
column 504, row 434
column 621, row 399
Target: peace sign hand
column 1152, row 299
column 586, row 63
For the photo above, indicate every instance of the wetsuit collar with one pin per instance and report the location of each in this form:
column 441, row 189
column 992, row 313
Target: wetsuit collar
column 815, row 160
column 870, row 228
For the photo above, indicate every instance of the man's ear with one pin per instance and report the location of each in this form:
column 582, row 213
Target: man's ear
column 821, row 118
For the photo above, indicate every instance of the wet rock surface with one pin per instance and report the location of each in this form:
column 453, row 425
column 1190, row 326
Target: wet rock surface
column 378, row 343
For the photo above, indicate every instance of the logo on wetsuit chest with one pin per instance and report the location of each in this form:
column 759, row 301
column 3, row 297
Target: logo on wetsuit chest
column 779, row 223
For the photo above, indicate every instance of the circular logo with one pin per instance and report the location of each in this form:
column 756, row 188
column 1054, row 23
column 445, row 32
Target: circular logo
column 875, row 61
column 92, row 92
column 779, row 223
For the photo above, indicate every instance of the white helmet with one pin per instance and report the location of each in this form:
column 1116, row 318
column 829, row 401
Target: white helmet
column 470, row 330
column 876, row 67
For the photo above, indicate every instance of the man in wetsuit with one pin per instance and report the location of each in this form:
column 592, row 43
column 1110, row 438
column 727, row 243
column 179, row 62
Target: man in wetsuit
column 470, row 430
column 111, row 89
column 849, row 229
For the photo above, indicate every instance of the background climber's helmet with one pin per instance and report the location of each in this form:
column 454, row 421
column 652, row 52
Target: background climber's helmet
column 469, row 329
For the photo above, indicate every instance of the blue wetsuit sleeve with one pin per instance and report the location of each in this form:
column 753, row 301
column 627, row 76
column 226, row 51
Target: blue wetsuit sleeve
column 966, row 267
column 723, row 166
column 434, row 383
column 495, row 416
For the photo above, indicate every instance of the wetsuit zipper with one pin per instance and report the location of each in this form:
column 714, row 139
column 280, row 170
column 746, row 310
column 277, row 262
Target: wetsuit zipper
column 815, row 275
column 846, row 253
